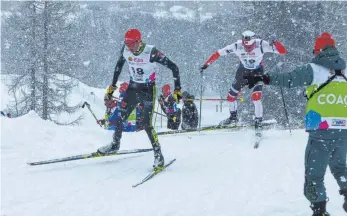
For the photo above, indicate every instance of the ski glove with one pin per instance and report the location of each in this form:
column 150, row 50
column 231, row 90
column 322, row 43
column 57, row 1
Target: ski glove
column 203, row 67
column 101, row 121
column 252, row 79
column 273, row 38
column 108, row 94
column 177, row 95
column 110, row 89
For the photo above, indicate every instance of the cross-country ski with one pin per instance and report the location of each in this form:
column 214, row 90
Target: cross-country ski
column 88, row 156
column 154, row 173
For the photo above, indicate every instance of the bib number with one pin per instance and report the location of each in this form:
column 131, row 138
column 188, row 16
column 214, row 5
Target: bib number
column 137, row 73
column 249, row 63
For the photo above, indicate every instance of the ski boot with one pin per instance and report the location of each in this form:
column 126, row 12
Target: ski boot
column 112, row 147
column 319, row 209
column 258, row 124
column 158, row 158
column 231, row 120
column 344, row 193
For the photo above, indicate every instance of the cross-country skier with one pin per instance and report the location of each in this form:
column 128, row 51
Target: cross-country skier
column 326, row 117
column 141, row 59
column 250, row 51
column 190, row 115
column 169, row 106
column 111, row 114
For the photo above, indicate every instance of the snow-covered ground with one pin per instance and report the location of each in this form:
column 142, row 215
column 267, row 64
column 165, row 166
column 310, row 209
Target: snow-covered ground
column 216, row 173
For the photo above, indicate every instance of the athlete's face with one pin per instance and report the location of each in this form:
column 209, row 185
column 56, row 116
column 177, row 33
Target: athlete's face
column 133, row 45
column 249, row 45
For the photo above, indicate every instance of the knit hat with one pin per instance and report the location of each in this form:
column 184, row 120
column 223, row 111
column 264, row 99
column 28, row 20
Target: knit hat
column 166, row 91
column 322, row 42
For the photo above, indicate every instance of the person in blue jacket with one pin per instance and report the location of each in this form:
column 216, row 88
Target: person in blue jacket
column 133, row 122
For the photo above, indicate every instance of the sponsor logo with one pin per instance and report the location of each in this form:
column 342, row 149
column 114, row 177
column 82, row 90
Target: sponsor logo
column 138, row 60
column 332, row 99
column 129, row 58
column 339, row 122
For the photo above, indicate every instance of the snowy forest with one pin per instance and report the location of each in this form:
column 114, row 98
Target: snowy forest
column 46, row 43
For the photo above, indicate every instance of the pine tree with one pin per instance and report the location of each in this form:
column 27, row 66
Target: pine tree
column 48, row 59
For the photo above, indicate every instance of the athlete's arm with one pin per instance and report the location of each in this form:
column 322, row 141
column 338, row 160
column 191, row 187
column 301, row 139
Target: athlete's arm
column 119, row 67
column 159, row 57
column 221, row 52
column 277, row 47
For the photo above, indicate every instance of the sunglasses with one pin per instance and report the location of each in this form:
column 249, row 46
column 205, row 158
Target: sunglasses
column 247, row 38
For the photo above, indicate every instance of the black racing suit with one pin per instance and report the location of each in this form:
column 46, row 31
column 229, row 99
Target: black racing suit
column 143, row 93
column 239, row 82
column 190, row 115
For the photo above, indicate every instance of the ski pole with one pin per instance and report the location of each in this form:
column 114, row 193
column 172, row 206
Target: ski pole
column 164, row 115
column 155, row 119
column 201, row 79
column 88, row 105
column 284, row 105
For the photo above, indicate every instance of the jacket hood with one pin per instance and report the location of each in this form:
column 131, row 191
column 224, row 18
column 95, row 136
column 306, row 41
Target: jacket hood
column 330, row 58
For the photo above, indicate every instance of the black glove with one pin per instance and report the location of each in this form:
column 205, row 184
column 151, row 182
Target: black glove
column 203, row 67
column 253, row 79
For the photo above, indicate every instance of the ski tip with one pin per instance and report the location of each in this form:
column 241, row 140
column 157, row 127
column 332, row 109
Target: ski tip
column 32, row 164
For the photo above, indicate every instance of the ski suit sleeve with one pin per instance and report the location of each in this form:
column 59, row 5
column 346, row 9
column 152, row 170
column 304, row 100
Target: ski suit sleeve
column 159, row 57
column 119, row 67
column 221, row 52
column 277, row 47
column 300, row 76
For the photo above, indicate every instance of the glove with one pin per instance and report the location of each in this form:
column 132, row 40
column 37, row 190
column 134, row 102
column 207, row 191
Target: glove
column 110, row 89
column 273, row 38
column 253, row 79
column 101, row 122
column 203, row 67
column 177, row 95
column 108, row 95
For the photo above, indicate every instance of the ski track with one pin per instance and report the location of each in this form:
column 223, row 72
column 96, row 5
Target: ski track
column 217, row 173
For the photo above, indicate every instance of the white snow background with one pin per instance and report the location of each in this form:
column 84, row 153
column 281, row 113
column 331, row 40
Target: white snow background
column 216, row 173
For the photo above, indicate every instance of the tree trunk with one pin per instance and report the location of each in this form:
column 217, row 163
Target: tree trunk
column 45, row 65
column 33, row 62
